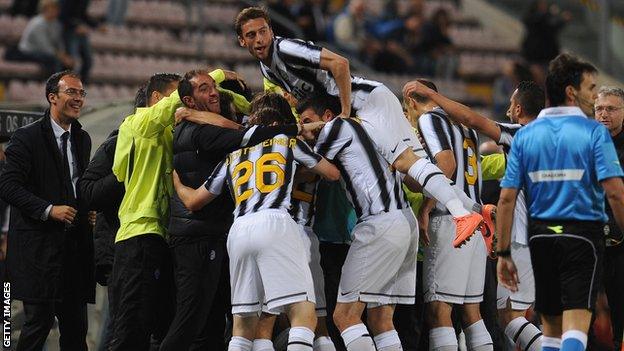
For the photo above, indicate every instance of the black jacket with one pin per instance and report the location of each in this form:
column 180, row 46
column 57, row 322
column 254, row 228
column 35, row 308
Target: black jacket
column 102, row 192
column 614, row 230
column 197, row 150
column 31, row 181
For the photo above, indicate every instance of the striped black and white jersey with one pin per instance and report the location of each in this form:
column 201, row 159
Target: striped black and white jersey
column 519, row 227
column 295, row 66
column 508, row 131
column 371, row 185
column 303, row 200
column 440, row 134
column 260, row 177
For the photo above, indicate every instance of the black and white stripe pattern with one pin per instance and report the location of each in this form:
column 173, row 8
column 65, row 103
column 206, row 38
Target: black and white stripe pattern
column 295, row 66
column 508, row 131
column 372, row 187
column 440, row 134
column 520, row 220
column 238, row 163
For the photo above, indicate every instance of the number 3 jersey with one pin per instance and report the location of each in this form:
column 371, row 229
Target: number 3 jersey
column 440, row 134
column 260, row 177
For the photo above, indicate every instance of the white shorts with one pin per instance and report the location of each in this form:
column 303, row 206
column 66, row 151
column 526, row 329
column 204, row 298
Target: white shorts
column 384, row 121
column 268, row 262
column 380, row 268
column 451, row 275
column 525, row 296
column 311, row 244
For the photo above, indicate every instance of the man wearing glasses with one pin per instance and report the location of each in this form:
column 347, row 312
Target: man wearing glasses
column 609, row 110
column 50, row 247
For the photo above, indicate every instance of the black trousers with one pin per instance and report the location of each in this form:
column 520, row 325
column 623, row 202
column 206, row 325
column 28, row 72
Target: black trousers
column 489, row 309
column 202, row 296
column 39, row 319
column 332, row 259
column 614, row 287
column 142, row 292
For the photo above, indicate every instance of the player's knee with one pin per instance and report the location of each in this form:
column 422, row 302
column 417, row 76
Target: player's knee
column 405, row 160
column 470, row 314
column 439, row 314
column 345, row 317
column 380, row 321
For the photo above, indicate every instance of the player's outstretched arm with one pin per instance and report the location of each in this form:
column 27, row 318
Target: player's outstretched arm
column 326, row 170
column 193, row 199
column 457, row 112
column 204, row 117
column 339, row 68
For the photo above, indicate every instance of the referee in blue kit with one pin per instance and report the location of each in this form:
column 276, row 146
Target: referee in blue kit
column 566, row 162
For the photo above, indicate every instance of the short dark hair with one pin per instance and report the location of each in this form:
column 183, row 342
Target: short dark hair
column 531, row 97
column 140, row 99
column 52, row 84
column 248, row 14
column 275, row 101
column 185, row 88
column 419, row 98
column 319, row 103
column 160, row 82
column 268, row 115
column 565, row 70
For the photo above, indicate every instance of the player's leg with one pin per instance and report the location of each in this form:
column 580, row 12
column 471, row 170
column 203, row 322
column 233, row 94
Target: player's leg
column 380, row 322
column 302, row 316
column 512, row 315
column 347, row 317
column 477, row 336
column 441, row 333
column 243, row 331
column 384, row 121
column 264, row 333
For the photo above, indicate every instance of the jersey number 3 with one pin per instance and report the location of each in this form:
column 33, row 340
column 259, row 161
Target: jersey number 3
column 267, row 164
column 471, row 171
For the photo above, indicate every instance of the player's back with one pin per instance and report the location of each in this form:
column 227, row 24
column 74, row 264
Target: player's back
column 260, row 177
column 372, row 185
column 441, row 134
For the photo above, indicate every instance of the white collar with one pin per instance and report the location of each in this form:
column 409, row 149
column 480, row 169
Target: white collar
column 58, row 130
column 561, row 111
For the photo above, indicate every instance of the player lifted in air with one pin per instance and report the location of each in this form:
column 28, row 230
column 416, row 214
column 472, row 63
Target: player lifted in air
column 303, row 69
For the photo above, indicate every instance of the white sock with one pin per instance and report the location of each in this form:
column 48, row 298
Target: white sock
column 238, row 343
column 524, row 334
column 357, row 338
column 263, row 345
column 324, row 343
column 388, row 341
column 300, row 339
column 437, row 185
column 478, row 338
column 442, row 339
column 468, row 203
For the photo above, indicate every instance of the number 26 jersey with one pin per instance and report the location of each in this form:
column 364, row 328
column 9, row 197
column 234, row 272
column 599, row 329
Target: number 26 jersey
column 260, row 177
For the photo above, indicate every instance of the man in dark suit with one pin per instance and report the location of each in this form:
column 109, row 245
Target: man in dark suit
column 50, row 244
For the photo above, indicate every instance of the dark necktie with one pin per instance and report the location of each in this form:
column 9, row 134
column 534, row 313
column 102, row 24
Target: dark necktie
column 67, row 181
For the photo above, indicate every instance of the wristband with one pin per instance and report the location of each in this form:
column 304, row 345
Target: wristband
column 503, row 253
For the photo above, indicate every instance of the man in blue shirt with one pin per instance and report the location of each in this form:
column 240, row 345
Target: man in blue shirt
column 563, row 161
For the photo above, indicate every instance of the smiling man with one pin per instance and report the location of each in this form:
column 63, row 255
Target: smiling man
column 609, row 110
column 50, row 248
